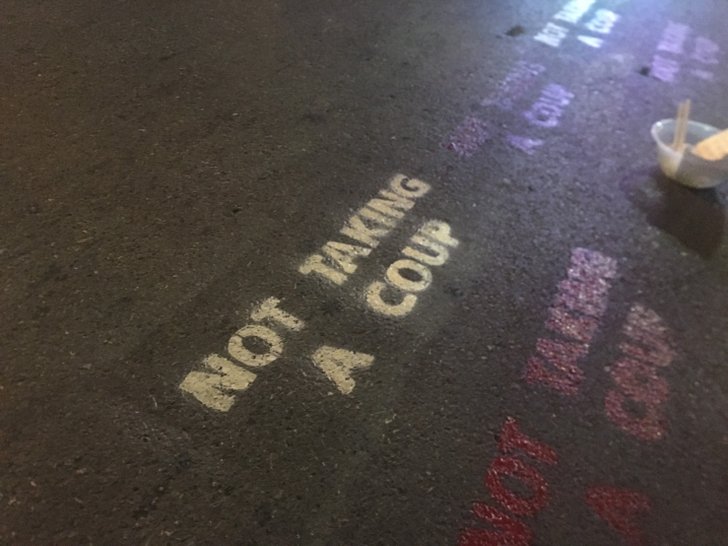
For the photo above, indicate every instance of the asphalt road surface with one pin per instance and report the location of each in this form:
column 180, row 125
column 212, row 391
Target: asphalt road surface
column 359, row 273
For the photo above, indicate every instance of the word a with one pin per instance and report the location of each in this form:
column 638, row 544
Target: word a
column 574, row 316
column 367, row 226
column 410, row 275
column 639, row 387
column 620, row 508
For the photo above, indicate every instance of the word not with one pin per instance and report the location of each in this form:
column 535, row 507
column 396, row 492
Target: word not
column 522, row 491
column 515, row 84
column 574, row 316
column 602, row 22
column 508, row 529
column 672, row 41
column 552, row 34
column 636, row 405
column 411, row 275
column 214, row 387
column 367, row 226
column 548, row 109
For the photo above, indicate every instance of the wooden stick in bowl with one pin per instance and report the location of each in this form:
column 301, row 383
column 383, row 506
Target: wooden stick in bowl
column 681, row 125
column 676, row 130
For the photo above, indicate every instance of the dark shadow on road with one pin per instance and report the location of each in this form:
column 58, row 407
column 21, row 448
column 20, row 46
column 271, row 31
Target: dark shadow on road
column 696, row 218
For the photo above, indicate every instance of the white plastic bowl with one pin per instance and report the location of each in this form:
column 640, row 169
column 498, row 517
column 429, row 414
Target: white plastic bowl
column 685, row 167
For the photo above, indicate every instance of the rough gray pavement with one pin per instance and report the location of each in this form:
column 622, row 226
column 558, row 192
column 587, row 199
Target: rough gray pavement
column 167, row 167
